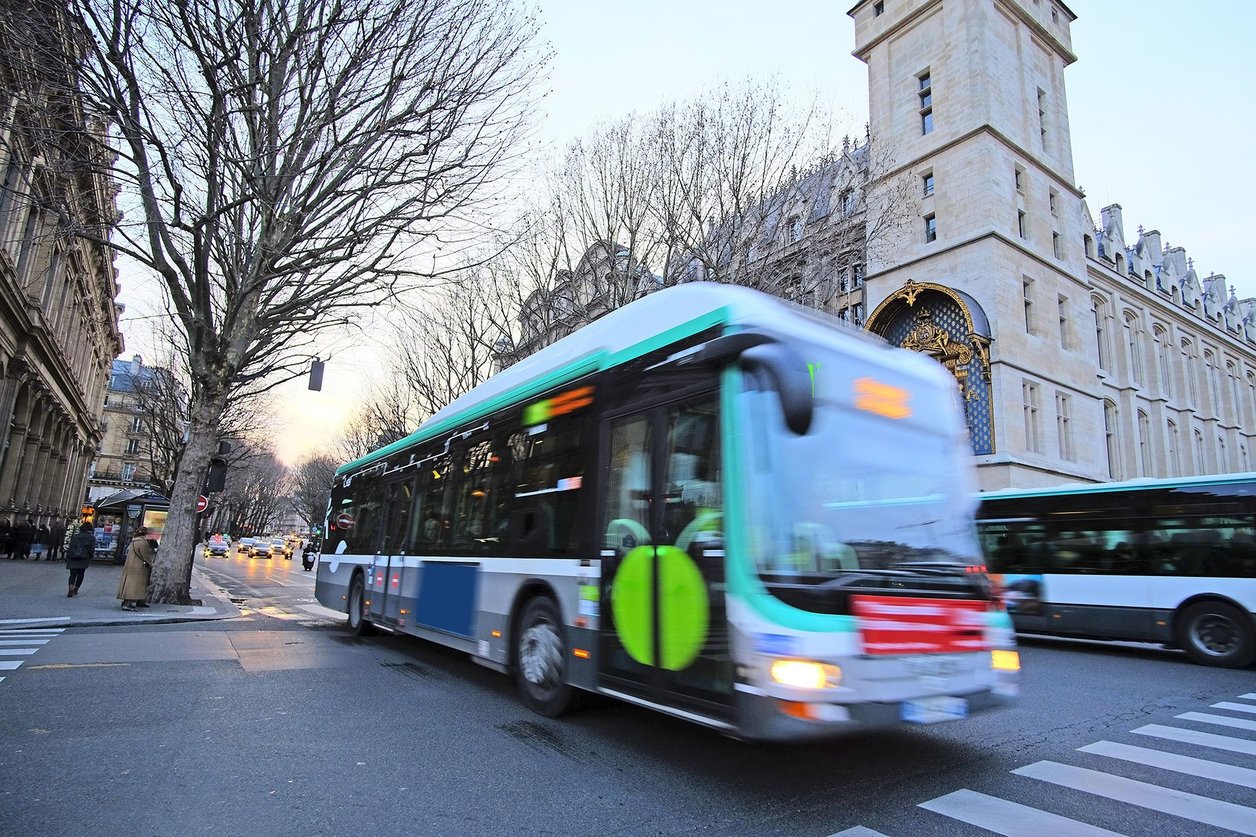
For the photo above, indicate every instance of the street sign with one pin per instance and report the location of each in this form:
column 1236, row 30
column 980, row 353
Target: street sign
column 202, row 503
column 344, row 520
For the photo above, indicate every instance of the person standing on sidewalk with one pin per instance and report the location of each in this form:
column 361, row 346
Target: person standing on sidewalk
column 39, row 548
column 6, row 537
column 133, row 588
column 78, row 556
column 56, row 540
column 23, row 534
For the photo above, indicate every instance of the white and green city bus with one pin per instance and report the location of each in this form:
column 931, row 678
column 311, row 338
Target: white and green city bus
column 709, row 502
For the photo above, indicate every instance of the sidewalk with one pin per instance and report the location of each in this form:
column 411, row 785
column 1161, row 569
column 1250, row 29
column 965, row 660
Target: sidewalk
column 32, row 594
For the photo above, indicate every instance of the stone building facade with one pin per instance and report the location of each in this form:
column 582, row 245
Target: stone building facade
column 1080, row 356
column 141, row 409
column 58, row 316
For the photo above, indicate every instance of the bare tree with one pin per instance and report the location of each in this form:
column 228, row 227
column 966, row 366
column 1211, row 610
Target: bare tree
column 283, row 165
column 310, row 480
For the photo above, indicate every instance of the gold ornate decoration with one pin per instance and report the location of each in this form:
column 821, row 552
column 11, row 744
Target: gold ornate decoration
column 926, row 337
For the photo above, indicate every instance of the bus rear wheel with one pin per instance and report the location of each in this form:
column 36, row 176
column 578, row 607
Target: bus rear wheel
column 358, row 624
column 1217, row 634
column 540, row 659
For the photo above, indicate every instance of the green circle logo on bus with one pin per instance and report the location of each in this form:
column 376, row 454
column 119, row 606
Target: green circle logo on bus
column 683, row 597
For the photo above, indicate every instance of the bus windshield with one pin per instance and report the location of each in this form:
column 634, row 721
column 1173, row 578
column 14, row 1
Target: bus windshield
column 859, row 493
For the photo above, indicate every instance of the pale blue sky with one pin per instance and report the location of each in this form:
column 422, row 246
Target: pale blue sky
column 1159, row 98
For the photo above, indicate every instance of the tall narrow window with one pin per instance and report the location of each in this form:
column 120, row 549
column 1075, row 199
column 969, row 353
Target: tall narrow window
column 1232, row 375
column 1188, row 371
column 1018, row 177
column 1064, row 424
column 1110, row 439
column 1211, row 374
column 1130, row 326
column 133, row 446
column 1144, row 444
column 1042, row 117
column 128, row 470
column 1022, row 224
column 931, row 228
column 1057, row 249
column 928, row 184
column 1101, row 337
column 1223, row 463
column 925, row 94
column 857, row 275
column 1053, row 201
column 878, row 8
column 1161, row 340
column 1030, row 400
column 1200, row 467
column 1061, row 308
column 1027, row 293
column 1251, row 391
column 795, row 229
column 1173, row 454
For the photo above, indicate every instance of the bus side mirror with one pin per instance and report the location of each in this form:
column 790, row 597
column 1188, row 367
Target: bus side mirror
column 789, row 377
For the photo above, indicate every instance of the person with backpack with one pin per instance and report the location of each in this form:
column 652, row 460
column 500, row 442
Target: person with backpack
column 79, row 555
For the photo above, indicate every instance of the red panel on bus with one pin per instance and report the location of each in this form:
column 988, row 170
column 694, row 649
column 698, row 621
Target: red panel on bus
column 900, row 625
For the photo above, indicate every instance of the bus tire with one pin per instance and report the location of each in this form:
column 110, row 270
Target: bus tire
column 357, row 622
column 540, row 659
column 1217, row 634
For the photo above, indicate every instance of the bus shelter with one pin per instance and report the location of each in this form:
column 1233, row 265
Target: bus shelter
column 118, row 516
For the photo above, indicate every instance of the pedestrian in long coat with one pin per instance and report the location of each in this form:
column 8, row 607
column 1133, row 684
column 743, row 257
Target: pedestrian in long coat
column 23, row 534
column 6, row 538
column 133, row 588
column 78, row 556
column 56, row 540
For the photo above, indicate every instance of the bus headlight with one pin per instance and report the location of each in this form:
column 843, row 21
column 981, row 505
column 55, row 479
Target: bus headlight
column 1003, row 660
column 805, row 674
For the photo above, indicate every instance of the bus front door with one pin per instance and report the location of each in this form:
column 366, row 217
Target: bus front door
column 664, row 626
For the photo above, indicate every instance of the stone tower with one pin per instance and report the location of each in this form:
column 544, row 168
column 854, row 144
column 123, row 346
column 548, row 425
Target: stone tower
column 988, row 271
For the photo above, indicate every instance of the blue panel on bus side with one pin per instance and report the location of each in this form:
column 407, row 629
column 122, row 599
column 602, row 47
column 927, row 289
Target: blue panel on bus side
column 447, row 597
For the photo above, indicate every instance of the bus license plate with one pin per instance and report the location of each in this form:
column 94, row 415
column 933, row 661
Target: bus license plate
column 931, row 710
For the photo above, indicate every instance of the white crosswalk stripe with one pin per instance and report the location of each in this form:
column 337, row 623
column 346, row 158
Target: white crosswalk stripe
column 23, row 642
column 1165, row 800
column 1006, row 817
column 1172, row 761
column 1009, row 818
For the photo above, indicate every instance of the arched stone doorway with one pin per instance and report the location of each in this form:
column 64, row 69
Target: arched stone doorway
column 949, row 326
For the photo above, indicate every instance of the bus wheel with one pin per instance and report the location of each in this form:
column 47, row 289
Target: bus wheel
column 1217, row 634
column 540, row 670
column 357, row 622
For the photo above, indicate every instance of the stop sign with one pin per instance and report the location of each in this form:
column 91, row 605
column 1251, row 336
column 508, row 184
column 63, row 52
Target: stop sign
column 202, row 503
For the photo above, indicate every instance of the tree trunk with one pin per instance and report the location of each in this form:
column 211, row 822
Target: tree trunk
column 173, row 567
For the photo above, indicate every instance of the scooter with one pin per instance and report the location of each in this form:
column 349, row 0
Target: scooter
column 309, row 557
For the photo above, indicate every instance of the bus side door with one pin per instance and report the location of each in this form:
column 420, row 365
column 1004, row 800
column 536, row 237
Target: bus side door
column 664, row 626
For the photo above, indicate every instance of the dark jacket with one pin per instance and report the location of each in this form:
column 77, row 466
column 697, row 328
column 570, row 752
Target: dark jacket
column 79, row 554
column 23, row 534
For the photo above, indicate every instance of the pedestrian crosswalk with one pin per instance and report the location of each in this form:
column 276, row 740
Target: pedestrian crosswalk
column 18, row 644
column 1209, row 756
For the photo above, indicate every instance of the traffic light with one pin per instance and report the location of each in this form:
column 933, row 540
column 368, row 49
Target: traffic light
column 316, row 375
column 217, row 479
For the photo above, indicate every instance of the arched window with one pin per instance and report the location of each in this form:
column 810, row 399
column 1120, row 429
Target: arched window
column 1211, row 374
column 1251, row 391
column 1161, row 340
column 1120, row 264
column 1172, row 454
column 1088, row 242
column 1110, row 438
column 1236, row 398
column 1144, row 445
column 1200, row 467
column 1223, row 462
column 1188, row 371
column 1130, row 324
column 1101, row 335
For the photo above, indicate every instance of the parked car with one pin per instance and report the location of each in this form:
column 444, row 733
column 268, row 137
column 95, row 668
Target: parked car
column 217, row 545
column 279, row 548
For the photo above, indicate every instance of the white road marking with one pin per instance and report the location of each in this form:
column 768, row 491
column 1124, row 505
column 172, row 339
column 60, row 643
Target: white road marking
column 10, row 665
column 1219, row 720
column 858, row 831
column 1205, row 739
column 1009, row 818
column 23, row 641
column 1172, row 761
column 1235, row 707
column 1153, row 797
column 12, row 652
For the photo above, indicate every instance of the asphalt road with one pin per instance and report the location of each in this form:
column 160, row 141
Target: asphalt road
column 278, row 722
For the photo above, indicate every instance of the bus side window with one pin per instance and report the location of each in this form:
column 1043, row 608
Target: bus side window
column 432, row 521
